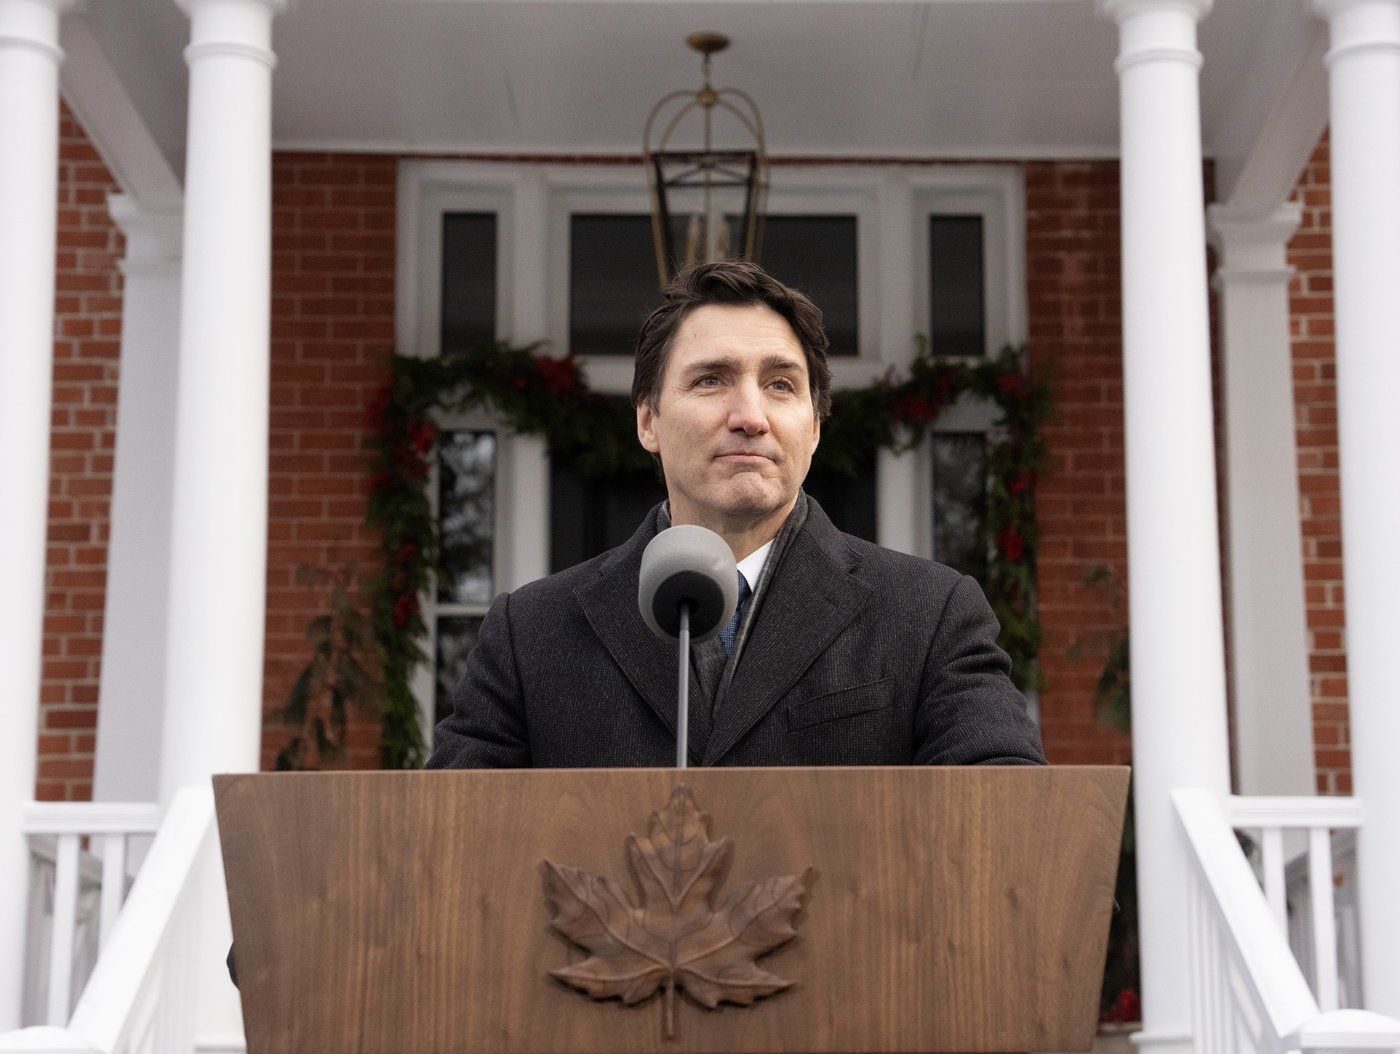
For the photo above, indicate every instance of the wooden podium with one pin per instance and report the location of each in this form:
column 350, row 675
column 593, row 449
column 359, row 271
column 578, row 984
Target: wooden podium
column 947, row 909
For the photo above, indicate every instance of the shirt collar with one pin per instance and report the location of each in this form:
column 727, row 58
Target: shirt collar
column 751, row 566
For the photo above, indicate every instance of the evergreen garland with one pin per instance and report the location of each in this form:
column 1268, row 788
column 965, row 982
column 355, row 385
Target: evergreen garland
column 548, row 397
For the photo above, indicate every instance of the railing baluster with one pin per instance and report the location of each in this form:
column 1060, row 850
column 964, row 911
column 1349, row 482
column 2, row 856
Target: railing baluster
column 65, row 911
column 1275, row 885
column 1208, row 1044
column 1196, row 937
column 1324, row 922
column 113, row 883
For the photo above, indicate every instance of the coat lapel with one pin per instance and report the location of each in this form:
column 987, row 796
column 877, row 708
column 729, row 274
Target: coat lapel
column 610, row 604
column 810, row 600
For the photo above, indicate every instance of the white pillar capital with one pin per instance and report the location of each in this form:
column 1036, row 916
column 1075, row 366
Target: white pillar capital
column 232, row 28
column 1363, row 24
column 32, row 25
column 1119, row 10
column 1156, row 31
column 152, row 234
column 1253, row 243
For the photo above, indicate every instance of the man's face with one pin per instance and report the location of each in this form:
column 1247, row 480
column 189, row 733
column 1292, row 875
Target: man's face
column 735, row 425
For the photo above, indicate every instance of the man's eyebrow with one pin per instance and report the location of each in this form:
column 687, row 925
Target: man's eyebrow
column 731, row 364
column 780, row 362
column 719, row 365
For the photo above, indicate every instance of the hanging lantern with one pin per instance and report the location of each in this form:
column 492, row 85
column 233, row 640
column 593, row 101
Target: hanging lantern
column 706, row 204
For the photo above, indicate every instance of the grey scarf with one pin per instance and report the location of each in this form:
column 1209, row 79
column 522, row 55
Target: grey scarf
column 713, row 669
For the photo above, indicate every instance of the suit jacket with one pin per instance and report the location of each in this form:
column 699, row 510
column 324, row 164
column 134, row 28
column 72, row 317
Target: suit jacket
column 858, row 656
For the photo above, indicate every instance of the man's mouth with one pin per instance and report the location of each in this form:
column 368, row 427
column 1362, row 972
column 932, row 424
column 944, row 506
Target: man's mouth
column 743, row 456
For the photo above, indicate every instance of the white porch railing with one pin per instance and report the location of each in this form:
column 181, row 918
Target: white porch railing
column 1249, row 993
column 75, row 895
column 141, row 995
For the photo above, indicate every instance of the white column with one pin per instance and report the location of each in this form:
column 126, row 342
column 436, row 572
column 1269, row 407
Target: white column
column 29, row 58
column 1178, row 660
column 1268, row 623
column 526, row 489
column 135, row 618
column 213, row 694
column 1364, row 71
column 900, row 523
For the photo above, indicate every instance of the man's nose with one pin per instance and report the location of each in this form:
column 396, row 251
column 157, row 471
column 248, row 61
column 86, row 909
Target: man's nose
column 746, row 410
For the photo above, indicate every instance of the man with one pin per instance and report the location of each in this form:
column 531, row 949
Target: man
column 841, row 653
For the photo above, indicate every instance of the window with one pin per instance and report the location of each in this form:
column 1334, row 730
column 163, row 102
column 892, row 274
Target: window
column 613, row 279
column 960, row 500
column 591, row 516
column 468, row 282
column 613, row 282
column 563, row 254
column 957, row 302
column 466, row 472
column 818, row 255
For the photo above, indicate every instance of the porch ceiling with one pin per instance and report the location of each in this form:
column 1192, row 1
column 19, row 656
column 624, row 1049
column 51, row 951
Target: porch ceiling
column 952, row 78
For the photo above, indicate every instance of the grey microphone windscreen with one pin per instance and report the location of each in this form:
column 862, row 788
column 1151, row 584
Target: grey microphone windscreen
column 693, row 565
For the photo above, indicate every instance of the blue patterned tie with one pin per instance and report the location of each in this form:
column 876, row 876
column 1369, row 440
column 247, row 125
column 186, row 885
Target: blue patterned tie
column 727, row 635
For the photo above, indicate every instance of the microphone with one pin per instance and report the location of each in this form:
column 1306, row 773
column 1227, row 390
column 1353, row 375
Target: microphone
column 687, row 587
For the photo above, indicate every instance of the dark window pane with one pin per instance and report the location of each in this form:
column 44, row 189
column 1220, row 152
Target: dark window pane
column 957, row 323
column 467, row 510
column 456, row 637
column 612, row 282
column 817, row 254
column 468, row 281
column 960, row 501
column 849, row 501
column 590, row 515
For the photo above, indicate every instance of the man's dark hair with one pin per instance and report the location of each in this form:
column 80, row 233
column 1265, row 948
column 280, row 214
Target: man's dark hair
column 728, row 282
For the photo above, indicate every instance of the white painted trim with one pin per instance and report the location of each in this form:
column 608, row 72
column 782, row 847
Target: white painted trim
column 998, row 195
column 1322, row 811
column 476, row 150
column 99, row 100
column 1288, row 137
column 1346, row 1030
column 90, row 818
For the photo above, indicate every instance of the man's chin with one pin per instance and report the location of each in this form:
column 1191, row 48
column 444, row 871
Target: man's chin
column 753, row 502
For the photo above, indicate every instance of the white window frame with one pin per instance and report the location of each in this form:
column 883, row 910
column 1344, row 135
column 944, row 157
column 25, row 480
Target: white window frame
column 533, row 202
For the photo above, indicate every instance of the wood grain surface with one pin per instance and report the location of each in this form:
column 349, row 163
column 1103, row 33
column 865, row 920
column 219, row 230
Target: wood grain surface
column 950, row 910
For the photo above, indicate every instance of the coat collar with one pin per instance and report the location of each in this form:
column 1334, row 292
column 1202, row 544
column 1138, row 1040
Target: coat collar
column 813, row 596
column 609, row 603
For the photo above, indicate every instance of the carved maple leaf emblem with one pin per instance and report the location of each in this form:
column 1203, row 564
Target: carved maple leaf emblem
column 674, row 933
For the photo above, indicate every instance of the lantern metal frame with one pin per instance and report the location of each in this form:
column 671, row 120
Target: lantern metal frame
column 706, row 169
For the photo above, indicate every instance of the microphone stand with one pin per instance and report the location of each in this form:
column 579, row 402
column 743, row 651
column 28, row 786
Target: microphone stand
column 683, row 688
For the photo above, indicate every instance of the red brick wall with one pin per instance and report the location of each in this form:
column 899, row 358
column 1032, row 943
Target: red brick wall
column 87, row 328
column 332, row 332
column 332, row 335
column 1315, row 408
column 1072, row 271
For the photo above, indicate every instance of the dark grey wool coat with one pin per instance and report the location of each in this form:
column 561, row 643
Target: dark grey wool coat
column 858, row 655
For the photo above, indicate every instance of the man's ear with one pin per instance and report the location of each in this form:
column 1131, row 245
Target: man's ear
column 646, row 428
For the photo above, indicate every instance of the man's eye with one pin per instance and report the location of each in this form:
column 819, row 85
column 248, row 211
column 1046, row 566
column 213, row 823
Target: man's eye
column 785, row 385
column 709, row 380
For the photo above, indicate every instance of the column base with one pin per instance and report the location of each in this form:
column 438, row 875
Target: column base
column 1162, row 1042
